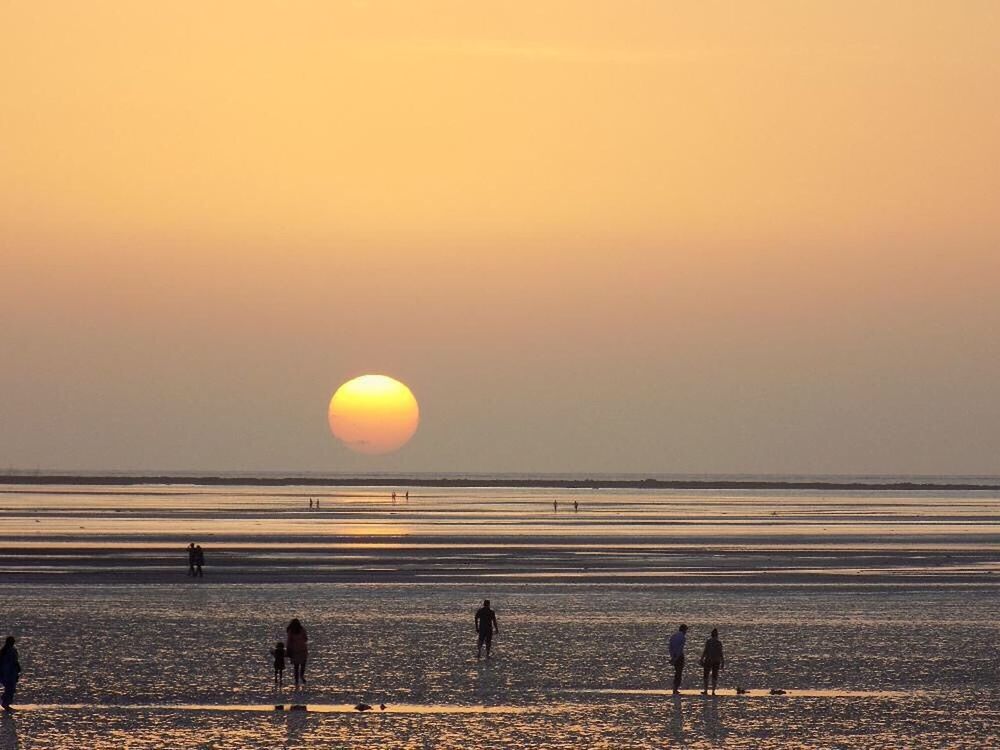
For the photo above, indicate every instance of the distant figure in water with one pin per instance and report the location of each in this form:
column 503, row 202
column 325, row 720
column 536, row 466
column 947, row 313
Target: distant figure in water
column 394, row 497
column 407, row 496
column 486, row 626
column 310, row 503
column 297, row 649
column 278, row 652
column 199, row 560
column 677, row 655
column 555, row 506
column 712, row 660
column 192, row 555
column 10, row 671
column 317, row 503
column 576, row 506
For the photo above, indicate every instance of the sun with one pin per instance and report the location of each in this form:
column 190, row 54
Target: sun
column 373, row 414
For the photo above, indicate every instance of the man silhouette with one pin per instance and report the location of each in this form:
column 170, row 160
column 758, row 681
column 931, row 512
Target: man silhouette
column 486, row 625
column 192, row 554
column 199, row 560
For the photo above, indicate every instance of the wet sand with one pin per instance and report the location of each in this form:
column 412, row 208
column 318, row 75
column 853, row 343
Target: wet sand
column 500, row 535
column 879, row 615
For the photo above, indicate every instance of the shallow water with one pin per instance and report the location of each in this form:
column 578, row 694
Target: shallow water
column 896, row 648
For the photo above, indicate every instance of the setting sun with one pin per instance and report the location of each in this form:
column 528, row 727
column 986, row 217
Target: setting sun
column 373, row 414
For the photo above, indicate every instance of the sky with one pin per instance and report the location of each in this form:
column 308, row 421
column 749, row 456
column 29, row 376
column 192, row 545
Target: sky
column 629, row 236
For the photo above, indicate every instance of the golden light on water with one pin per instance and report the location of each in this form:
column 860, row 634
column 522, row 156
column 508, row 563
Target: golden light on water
column 373, row 414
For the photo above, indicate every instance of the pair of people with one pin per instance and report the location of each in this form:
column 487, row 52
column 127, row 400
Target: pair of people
column 295, row 649
column 712, row 658
column 196, row 558
column 10, row 671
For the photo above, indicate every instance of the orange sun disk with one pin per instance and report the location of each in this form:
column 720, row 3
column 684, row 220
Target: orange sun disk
column 373, row 414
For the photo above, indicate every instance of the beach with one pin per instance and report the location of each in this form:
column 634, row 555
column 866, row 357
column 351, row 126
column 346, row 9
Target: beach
column 876, row 611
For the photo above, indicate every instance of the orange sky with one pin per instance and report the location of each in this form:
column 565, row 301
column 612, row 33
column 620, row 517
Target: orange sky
column 630, row 236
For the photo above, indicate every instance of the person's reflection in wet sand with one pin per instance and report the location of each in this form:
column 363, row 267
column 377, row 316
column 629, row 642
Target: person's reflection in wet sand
column 488, row 685
column 710, row 716
column 296, row 725
column 677, row 722
column 8, row 733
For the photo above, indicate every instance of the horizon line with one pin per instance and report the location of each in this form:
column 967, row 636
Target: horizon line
column 513, row 480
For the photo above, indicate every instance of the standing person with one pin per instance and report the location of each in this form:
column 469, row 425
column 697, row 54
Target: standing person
column 310, row 503
column 10, row 671
column 297, row 649
column 278, row 652
column 576, row 506
column 677, row 655
column 486, row 626
column 406, row 497
column 712, row 660
column 199, row 560
column 394, row 497
column 192, row 553
column 555, row 506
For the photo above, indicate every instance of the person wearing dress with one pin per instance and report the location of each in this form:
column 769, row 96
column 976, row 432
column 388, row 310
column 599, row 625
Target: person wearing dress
column 10, row 672
column 297, row 650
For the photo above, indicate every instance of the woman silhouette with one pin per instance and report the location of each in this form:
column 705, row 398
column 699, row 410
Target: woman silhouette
column 297, row 649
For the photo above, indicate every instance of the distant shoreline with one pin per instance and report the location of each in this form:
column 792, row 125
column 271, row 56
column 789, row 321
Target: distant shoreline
column 512, row 483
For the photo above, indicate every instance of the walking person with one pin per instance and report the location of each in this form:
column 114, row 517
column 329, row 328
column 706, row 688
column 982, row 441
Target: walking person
column 712, row 660
column 192, row 553
column 10, row 672
column 297, row 649
column 486, row 626
column 676, row 647
column 199, row 560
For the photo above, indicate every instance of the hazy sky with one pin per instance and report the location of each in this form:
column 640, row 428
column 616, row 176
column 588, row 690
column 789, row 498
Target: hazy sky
column 591, row 236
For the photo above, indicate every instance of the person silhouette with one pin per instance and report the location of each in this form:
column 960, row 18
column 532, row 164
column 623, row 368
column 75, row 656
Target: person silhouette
column 10, row 672
column 486, row 625
column 297, row 649
column 676, row 647
column 712, row 659
column 278, row 652
column 576, row 506
column 199, row 560
column 192, row 555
